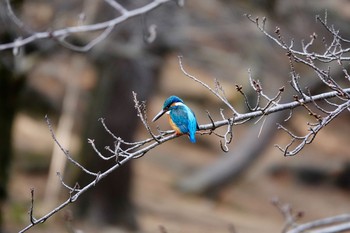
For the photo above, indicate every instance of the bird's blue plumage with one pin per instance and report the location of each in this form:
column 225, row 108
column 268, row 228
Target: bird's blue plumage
column 171, row 100
column 184, row 119
column 181, row 118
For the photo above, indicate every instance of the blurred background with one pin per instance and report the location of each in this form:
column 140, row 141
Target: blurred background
column 179, row 186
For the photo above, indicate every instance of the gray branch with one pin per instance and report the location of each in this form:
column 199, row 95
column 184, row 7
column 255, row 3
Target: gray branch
column 62, row 34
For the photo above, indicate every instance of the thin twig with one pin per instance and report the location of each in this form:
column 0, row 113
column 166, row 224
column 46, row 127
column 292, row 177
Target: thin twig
column 207, row 87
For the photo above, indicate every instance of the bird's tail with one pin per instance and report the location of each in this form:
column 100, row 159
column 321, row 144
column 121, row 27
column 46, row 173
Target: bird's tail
column 192, row 137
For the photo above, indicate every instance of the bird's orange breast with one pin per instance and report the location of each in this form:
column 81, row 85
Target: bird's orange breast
column 173, row 125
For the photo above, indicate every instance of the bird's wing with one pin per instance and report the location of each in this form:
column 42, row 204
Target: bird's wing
column 197, row 127
column 179, row 116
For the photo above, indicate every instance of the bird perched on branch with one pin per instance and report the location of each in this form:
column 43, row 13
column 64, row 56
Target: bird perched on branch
column 181, row 117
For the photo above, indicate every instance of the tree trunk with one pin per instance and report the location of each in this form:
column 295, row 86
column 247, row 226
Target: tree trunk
column 10, row 87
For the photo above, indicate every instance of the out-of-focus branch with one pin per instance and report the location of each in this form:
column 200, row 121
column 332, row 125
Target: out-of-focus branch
column 60, row 35
column 334, row 224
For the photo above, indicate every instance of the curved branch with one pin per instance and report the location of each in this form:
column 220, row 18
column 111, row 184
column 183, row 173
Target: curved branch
column 63, row 33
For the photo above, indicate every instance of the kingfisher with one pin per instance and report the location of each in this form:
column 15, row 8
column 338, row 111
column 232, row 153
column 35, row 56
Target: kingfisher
column 181, row 117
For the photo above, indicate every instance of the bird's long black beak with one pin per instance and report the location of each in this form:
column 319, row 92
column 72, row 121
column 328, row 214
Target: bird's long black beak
column 159, row 115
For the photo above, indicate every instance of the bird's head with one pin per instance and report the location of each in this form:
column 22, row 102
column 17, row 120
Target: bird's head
column 172, row 100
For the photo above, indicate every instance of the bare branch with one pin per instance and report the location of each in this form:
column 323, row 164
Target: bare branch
column 223, row 99
column 333, row 53
column 66, row 152
column 62, row 34
column 88, row 46
column 140, row 148
column 286, row 210
column 74, row 189
column 117, row 6
column 340, row 223
column 31, row 217
column 142, row 114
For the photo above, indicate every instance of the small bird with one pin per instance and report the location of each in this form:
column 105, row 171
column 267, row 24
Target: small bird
column 181, row 117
